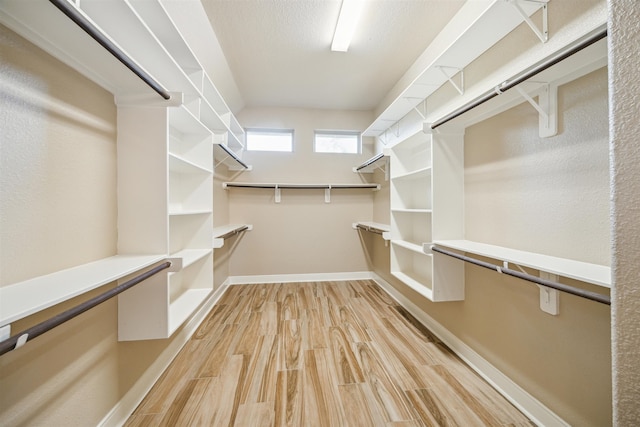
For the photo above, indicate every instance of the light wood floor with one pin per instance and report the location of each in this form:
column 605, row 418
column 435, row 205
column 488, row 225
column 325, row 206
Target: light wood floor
column 318, row 354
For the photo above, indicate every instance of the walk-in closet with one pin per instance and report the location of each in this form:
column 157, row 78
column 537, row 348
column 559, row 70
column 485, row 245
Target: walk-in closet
column 220, row 213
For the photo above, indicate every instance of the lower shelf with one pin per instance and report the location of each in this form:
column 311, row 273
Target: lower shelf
column 583, row 271
column 414, row 284
column 30, row 296
column 183, row 307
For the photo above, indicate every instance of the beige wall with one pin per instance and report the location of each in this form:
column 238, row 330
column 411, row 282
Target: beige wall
column 547, row 195
column 625, row 128
column 302, row 234
column 58, row 207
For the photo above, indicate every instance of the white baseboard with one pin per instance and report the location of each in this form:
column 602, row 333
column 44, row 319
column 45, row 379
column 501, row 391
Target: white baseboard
column 312, row 277
column 130, row 401
column 521, row 399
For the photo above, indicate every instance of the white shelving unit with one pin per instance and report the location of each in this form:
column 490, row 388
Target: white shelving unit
column 165, row 148
column 420, row 166
column 484, row 23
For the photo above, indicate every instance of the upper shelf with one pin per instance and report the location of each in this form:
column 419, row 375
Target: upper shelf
column 144, row 31
column 484, row 24
column 583, row 271
column 378, row 161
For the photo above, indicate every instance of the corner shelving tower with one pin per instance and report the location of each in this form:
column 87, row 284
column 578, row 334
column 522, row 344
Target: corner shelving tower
column 419, row 180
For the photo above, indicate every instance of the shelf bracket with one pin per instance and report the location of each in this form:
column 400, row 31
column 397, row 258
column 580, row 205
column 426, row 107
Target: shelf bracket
column 421, row 102
column 277, row 194
column 459, row 87
column 543, row 34
column 549, row 298
column 547, row 108
column 327, row 195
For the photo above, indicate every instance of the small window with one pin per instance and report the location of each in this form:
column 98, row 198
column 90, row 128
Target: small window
column 326, row 141
column 269, row 140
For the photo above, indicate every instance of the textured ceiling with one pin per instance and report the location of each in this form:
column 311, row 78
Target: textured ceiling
column 279, row 50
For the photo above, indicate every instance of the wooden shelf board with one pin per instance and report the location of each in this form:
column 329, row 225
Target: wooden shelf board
column 417, row 174
column 414, row 247
column 22, row 299
column 190, row 256
column 583, row 271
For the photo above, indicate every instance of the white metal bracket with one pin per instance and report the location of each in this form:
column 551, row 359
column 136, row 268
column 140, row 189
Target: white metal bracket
column 421, row 102
column 277, row 194
column 458, row 86
column 549, row 298
column 327, row 195
column 543, row 34
column 547, row 107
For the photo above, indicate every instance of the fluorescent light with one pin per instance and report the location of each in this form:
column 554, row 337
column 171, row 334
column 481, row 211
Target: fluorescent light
column 347, row 21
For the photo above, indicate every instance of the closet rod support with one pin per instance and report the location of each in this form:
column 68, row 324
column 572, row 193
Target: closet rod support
column 543, row 34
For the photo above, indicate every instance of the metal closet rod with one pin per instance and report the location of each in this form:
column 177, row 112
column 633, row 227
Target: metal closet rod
column 233, row 155
column 525, row 75
column 370, row 161
column 593, row 296
column 233, row 232
column 19, row 339
column 73, row 14
column 298, row 186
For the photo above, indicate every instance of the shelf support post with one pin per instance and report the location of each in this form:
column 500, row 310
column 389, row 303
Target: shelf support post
column 543, row 34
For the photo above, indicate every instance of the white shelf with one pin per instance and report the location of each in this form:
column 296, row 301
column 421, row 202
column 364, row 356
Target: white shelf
column 222, row 232
column 414, row 247
column 190, row 212
column 413, row 211
column 414, row 284
column 483, row 24
column 182, row 165
column 421, row 173
column 226, row 155
column 183, row 307
column 375, row 227
column 191, row 256
column 378, row 161
column 30, row 296
column 585, row 272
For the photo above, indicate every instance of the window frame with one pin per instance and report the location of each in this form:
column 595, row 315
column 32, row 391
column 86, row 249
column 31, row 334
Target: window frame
column 342, row 132
column 267, row 131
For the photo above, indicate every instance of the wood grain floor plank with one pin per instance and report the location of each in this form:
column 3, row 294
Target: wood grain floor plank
column 289, row 399
column 318, row 354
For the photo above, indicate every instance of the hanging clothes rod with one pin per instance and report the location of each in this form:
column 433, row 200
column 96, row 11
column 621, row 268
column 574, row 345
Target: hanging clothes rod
column 593, row 296
column 525, row 75
column 297, row 186
column 370, row 161
column 72, row 13
column 21, row 338
column 233, row 232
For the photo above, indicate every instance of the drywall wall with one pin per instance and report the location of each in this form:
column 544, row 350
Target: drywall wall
column 302, row 234
column 58, row 207
column 538, row 194
column 624, row 38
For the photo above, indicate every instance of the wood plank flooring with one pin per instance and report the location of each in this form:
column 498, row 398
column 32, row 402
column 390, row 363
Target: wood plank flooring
column 318, row 354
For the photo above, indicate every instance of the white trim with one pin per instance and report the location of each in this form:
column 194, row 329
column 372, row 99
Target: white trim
column 130, row 401
column 537, row 412
column 312, row 277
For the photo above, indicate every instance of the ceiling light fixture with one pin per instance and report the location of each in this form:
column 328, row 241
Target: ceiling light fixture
column 347, row 21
